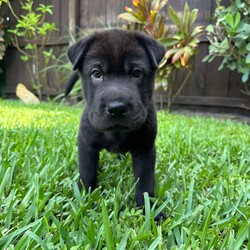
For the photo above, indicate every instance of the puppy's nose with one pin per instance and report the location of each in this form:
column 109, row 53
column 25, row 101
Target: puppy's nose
column 116, row 109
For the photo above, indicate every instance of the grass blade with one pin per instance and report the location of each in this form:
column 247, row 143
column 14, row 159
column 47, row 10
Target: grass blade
column 37, row 239
column 155, row 243
column 107, row 228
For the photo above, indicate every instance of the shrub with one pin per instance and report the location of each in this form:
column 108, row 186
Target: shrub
column 229, row 37
column 34, row 31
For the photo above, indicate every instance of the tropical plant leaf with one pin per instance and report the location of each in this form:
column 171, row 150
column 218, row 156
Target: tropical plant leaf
column 174, row 16
column 170, row 53
column 197, row 31
column 193, row 16
column 168, row 41
column 130, row 18
column 186, row 19
column 177, row 55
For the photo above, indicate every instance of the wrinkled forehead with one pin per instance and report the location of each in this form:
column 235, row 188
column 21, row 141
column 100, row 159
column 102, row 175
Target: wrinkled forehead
column 117, row 51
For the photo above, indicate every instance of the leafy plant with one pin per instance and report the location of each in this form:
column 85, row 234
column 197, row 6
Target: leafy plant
column 34, row 31
column 229, row 37
column 180, row 42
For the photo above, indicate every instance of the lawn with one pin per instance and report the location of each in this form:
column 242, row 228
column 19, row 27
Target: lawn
column 203, row 185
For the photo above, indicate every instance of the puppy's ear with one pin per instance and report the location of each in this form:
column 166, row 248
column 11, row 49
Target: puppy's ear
column 153, row 48
column 78, row 50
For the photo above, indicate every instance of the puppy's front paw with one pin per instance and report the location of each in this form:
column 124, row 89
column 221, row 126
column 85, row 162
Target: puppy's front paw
column 160, row 218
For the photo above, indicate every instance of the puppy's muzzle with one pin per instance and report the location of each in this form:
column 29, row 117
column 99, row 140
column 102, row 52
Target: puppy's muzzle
column 116, row 109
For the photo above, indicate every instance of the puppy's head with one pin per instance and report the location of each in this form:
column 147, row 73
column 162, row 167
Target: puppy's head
column 117, row 68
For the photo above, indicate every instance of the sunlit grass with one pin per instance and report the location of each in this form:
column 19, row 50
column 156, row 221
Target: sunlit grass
column 202, row 173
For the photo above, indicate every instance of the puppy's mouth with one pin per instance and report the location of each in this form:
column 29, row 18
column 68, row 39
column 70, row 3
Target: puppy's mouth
column 118, row 127
column 102, row 122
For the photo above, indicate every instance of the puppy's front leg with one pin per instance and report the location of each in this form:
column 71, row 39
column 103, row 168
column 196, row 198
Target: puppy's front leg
column 144, row 166
column 88, row 162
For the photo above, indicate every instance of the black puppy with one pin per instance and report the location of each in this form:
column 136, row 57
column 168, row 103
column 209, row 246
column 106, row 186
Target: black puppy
column 118, row 69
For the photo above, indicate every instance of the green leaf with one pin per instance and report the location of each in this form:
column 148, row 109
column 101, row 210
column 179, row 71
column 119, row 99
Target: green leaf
column 245, row 76
column 129, row 17
column 193, row 16
column 107, row 228
column 168, row 41
column 5, row 180
column 210, row 28
column 197, row 30
column 45, row 9
column 248, row 47
column 30, row 46
column 122, row 245
column 239, row 4
column 170, row 52
column 147, row 211
column 155, row 243
column 3, row 1
column 174, row 16
column 161, row 27
column 194, row 42
column 206, row 58
column 24, row 58
column 241, row 236
column 186, row 17
column 37, row 239
column 225, row 45
column 248, row 58
column 229, row 19
column 205, row 230
column 237, row 20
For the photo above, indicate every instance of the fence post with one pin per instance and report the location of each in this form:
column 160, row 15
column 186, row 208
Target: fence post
column 72, row 17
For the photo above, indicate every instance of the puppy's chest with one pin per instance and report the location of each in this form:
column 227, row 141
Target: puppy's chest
column 116, row 142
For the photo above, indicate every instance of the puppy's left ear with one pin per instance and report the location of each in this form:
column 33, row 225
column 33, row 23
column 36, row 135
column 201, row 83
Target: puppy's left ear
column 153, row 48
column 78, row 50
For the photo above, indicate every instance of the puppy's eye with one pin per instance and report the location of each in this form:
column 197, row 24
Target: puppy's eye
column 96, row 74
column 136, row 73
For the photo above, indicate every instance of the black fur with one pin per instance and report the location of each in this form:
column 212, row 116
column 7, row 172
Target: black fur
column 117, row 69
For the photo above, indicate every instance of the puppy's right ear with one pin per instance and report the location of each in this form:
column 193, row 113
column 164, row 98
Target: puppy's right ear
column 78, row 50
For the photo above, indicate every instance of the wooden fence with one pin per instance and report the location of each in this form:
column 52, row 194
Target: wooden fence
column 207, row 86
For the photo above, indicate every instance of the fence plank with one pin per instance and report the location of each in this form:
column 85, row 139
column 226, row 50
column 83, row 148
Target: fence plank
column 236, row 85
column 216, row 82
column 209, row 101
column 63, row 25
column 94, row 14
column 114, row 8
column 16, row 71
column 204, row 11
column 196, row 84
column 84, row 14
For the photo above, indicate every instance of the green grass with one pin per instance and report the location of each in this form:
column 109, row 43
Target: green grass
column 203, row 185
